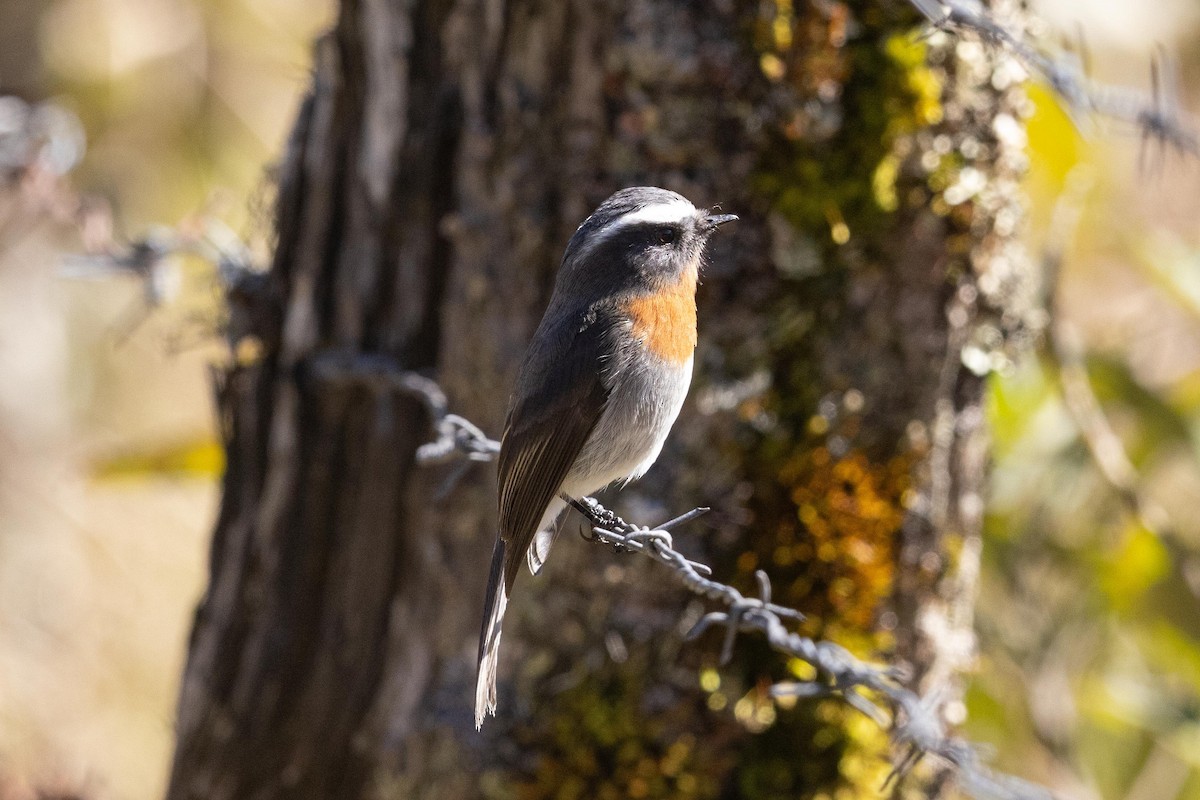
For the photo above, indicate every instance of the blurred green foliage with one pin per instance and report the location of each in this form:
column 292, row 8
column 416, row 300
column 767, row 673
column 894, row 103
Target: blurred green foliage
column 1089, row 622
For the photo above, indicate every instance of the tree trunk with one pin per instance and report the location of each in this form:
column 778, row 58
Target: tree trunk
column 440, row 162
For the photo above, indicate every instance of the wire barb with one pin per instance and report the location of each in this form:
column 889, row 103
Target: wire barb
column 381, row 374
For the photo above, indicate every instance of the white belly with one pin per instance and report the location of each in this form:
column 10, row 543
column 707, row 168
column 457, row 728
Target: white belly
column 641, row 409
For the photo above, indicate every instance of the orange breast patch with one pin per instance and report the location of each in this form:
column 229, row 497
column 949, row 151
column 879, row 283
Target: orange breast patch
column 665, row 321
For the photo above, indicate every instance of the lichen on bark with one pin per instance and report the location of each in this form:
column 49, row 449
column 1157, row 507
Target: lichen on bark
column 893, row 180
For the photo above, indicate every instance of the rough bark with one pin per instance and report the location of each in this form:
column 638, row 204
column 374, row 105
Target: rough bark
column 445, row 153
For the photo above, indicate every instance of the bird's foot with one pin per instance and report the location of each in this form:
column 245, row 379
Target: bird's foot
column 598, row 515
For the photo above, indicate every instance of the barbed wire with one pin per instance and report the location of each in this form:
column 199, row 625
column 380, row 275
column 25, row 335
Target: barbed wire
column 913, row 722
column 1157, row 115
column 876, row 690
column 40, row 145
column 154, row 260
column 382, row 373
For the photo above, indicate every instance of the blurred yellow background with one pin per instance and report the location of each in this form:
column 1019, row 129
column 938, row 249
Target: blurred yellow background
column 1090, row 665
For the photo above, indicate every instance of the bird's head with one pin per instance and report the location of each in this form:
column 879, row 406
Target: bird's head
column 641, row 237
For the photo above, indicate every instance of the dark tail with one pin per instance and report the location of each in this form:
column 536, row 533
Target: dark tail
column 494, row 605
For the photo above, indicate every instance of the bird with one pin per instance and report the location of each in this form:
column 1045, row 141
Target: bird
column 600, row 385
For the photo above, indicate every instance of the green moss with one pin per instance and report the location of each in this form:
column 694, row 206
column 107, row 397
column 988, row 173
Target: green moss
column 832, row 167
column 819, row 181
column 829, row 522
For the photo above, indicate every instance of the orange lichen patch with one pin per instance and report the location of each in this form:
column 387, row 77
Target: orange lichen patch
column 665, row 320
column 837, row 546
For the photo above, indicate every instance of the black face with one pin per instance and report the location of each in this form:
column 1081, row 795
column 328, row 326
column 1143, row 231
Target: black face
column 613, row 250
column 641, row 255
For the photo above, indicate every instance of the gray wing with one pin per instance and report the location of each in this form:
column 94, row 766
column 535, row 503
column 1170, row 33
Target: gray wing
column 560, row 400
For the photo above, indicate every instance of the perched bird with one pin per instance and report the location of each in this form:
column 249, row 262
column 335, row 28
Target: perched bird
column 601, row 383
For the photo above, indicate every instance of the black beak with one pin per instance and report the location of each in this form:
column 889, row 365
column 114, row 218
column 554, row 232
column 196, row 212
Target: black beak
column 714, row 221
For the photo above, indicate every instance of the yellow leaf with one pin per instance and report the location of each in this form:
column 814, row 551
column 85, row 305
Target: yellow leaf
column 1139, row 562
column 204, row 457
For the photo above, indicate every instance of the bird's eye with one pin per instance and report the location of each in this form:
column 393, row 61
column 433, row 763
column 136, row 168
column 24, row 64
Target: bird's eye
column 665, row 235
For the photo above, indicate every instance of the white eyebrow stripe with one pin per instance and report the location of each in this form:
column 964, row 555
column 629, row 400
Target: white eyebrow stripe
column 655, row 213
column 662, row 213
